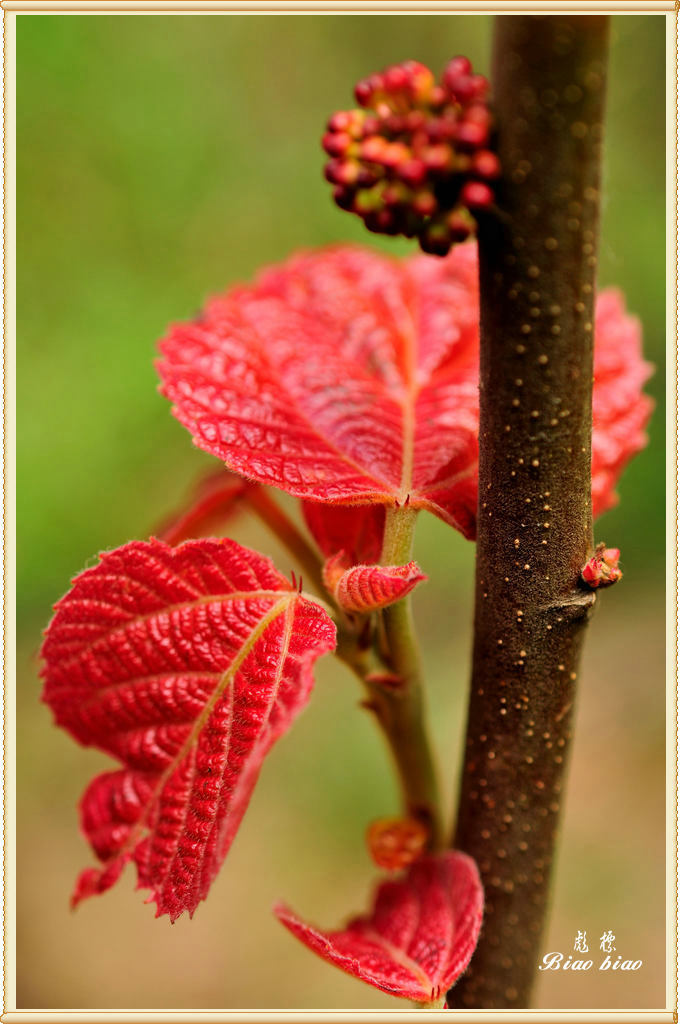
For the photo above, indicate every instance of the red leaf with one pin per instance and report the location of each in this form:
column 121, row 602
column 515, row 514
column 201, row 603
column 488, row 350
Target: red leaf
column 186, row 664
column 357, row 530
column 620, row 410
column 420, row 935
column 317, row 380
column 365, row 588
column 215, row 498
column 345, row 376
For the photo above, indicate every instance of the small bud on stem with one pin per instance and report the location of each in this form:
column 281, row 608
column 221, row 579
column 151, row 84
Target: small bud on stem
column 602, row 570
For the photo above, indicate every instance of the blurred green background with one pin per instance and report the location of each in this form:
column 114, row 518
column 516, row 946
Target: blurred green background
column 160, row 159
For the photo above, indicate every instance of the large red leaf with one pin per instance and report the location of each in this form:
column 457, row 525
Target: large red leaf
column 345, row 376
column 329, row 380
column 186, row 664
column 418, row 938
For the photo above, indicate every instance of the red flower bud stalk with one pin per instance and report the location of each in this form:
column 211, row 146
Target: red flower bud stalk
column 416, row 160
column 537, row 276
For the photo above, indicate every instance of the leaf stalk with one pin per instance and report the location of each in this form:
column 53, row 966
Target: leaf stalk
column 401, row 709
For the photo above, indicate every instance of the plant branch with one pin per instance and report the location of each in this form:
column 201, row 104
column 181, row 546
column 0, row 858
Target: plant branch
column 399, row 713
column 387, row 662
column 537, row 274
column 400, row 708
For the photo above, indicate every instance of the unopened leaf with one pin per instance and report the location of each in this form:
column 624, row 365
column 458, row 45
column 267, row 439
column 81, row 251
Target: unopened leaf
column 365, row 588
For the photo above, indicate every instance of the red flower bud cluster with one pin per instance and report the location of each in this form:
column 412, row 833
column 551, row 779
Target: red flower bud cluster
column 416, row 160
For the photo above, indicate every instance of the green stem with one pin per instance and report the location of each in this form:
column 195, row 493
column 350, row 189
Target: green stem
column 400, row 708
column 400, row 634
column 398, row 704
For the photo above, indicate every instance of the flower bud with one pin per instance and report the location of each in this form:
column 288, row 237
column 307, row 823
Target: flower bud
column 438, row 158
column 397, row 194
column 413, row 172
column 415, row 160
column 382, row 222
column 336, row 143
column 396, row 79
column 476, row 195
column 422, row 83
column 457, row 68
column 372, row 149
column 424, row 203
column 471, row 134
column 342, row 172
column 436, row 239
column 486, row 164
column 340, row 121
column 343, row 196
column 366, row 202
column 394, row 154
column 460, row 226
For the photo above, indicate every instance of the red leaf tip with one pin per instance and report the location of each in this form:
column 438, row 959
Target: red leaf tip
column 419, row 936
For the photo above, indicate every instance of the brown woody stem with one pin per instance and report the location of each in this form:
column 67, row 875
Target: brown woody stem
column 537, row 276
